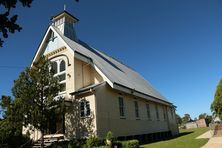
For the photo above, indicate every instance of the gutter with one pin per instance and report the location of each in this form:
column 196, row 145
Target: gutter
column 133, row 90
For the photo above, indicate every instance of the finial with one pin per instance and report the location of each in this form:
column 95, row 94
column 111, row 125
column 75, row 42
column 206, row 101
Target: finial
column 64, row 7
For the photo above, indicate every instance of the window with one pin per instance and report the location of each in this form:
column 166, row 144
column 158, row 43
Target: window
column 59, row 68
column 62, row 66
column 136, row 109
column 84, row 109
column 121, row 107
column 157, row 113
column 54, row 67
column 148, row 110
column 164, row 113
column 62, row 77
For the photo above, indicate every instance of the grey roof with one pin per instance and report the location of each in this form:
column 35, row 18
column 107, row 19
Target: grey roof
column 115, row 71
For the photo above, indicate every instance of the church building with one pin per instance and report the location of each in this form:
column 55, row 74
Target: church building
column 102, row 94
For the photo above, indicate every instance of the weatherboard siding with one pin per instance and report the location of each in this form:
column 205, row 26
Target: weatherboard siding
column 74, row 124
column 109, row 117
column 85, row 74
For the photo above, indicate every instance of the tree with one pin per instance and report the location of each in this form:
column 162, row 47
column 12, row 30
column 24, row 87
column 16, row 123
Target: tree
column 208, row 119
column 36, row 92
column 216, row 106
column 203, row 116
column 11, row 126
column 8, row 21
column 186, row 118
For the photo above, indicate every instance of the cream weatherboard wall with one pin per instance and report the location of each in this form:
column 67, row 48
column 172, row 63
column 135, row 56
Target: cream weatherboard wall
column 85, row 74
column 108, row 117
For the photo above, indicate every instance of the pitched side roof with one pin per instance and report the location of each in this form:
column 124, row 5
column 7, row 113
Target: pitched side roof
column 115, row 71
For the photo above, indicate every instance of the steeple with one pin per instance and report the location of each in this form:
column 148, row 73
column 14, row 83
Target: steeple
column 65, row 22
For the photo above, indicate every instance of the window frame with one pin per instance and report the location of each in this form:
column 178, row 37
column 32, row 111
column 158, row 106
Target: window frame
column 85, row 110
column 59, row 73
column 164, row 113
column 157, row 112
column 148, row 111
column 121, row 107
column 136, row 107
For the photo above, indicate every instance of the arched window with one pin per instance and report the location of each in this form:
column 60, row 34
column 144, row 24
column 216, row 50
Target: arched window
column 59, row 69
column 62, row 66
column 54, row 67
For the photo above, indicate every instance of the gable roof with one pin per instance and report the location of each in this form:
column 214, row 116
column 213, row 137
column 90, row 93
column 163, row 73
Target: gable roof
column 116, row 72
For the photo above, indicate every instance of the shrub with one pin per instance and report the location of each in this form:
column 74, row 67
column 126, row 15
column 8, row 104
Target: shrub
column 76, row 143
column 133, row 144
column 93, row 141
column 117, row 144
column 109, row 136
column 61, row 144
column 130, row 144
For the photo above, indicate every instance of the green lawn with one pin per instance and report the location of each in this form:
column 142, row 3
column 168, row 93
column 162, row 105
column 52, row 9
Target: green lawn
column 186, row 139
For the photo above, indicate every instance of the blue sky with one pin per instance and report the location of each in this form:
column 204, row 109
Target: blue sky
column 175, row 45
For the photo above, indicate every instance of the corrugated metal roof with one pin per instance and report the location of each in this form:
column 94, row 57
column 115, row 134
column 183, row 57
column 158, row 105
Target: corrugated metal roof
column 115, row 71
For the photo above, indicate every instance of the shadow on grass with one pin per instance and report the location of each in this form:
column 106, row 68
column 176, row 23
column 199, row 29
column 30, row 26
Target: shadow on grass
column 165, row 139
column 180, row 135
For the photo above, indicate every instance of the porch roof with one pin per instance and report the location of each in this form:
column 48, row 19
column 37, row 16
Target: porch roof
column 87, row 89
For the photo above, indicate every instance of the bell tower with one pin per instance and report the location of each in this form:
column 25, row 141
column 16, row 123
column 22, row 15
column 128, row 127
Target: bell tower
column 65, row 22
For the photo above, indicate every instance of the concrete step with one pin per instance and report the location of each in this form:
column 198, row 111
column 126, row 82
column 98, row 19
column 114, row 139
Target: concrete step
column 48, row 140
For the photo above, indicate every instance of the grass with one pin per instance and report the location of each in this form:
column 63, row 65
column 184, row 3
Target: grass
column 186, row 139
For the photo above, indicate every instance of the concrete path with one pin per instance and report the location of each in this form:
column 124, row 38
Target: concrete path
column 214, row 142
column 206, row 135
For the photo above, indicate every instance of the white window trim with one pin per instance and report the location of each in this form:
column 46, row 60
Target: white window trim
column 157, row 113
column 148, row 111
column 121, row 107
column 85, row 109
column 60, row 73
column 136, row 109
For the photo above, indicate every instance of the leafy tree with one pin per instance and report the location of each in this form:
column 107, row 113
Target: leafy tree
column 208, row 119
column 7, row 20
column 203, row 116
column 10, row 127
column 36, row 92
column 216, row 106
column 186, row 118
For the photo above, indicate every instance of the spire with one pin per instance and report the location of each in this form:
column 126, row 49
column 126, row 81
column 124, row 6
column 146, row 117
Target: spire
column 65, row 22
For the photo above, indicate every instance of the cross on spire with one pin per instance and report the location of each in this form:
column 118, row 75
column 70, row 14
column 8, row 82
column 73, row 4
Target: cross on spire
column 64, row 7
